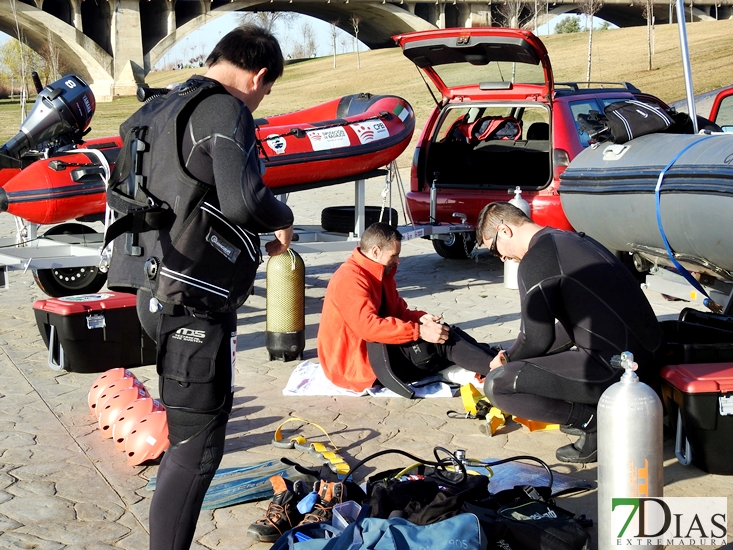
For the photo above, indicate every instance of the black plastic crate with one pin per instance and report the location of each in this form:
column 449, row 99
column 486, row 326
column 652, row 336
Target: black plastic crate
column 93, row 332
column 698, row 399
column 692, row 342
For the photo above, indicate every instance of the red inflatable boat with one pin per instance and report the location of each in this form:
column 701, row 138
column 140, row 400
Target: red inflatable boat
column 60, row 188
column 305, row 149
column 333, row 141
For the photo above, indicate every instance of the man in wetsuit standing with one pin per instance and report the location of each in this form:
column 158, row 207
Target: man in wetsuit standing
column 580, row 307
column 194, row 261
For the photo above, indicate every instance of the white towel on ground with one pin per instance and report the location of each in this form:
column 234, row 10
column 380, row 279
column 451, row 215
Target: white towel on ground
column 308, row 378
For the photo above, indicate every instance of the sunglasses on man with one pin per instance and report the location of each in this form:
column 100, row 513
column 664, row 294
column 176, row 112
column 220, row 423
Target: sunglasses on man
column 492, row 249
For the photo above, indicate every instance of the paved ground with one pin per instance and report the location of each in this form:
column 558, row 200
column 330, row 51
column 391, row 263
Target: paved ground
column 63, row 486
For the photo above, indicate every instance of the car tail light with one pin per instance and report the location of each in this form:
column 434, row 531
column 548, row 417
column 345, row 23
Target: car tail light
column 414, row 180
column 560, row 161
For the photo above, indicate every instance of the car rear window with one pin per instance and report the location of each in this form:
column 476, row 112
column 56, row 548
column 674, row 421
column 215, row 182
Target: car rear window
column 456, row 75
column 584, row 107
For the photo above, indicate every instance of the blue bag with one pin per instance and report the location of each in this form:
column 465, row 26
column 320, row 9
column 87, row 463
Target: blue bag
column 461, row 531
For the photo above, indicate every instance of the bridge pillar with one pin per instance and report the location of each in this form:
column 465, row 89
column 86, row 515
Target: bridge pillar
column 76, row 8
column 127, row 45
column 480, row 15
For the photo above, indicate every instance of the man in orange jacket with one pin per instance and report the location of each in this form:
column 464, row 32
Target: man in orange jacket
column 362, row 305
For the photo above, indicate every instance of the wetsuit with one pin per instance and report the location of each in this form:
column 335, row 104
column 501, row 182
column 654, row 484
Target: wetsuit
column 217, row 148
column 574, row 294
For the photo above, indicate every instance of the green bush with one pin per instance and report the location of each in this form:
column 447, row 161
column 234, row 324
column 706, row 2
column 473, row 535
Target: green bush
column 568, row 25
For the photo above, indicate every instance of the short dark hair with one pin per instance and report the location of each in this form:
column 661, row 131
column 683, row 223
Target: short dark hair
column 250, row 48
column 496, row 213
column 379, row 234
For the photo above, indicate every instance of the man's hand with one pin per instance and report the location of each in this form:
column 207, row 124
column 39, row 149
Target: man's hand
column 433, row 332
column 430, row 317
column 498, row 361
column 280, row 243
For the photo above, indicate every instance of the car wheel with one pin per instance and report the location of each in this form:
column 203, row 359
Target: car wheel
column 66, row 281
column 458, row 246
column 340, row 219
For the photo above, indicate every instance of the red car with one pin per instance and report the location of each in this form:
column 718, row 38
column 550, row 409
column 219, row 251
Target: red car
column 501, row 122
column 721, row 112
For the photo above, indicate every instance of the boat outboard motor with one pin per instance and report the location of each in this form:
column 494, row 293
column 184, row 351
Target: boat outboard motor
column 63, row 108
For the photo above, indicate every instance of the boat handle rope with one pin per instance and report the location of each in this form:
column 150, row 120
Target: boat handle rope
column 301, row 132
column 707, row 302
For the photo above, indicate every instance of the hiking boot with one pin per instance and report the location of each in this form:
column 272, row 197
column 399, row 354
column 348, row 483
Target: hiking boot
column 583, row 451
column 281, row 514
column 330, row 493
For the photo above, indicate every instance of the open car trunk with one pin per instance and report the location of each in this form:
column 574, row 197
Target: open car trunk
column 489, row 147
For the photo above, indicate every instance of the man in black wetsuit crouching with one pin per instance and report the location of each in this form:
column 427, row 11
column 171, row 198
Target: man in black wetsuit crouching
column 580, row 307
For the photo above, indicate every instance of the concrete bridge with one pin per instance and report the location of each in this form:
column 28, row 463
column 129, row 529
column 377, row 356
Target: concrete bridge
column 113, row 44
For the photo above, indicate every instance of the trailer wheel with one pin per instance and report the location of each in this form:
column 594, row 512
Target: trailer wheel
column 340, row 219
column 458, row 246
column 66, row 281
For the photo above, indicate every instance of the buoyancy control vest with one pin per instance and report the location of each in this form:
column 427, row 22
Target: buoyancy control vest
column 172, row 237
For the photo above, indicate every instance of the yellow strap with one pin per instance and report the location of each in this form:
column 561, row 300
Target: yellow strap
column 470, row 396
column 279, row 436
column 335, row 462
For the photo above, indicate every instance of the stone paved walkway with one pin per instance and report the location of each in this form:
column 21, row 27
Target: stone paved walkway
column 63, row 486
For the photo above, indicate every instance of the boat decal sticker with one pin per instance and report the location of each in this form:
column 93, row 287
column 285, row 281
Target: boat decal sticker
column 370, row 130
column 401, row 112
column 276, row 143
column 331, row 138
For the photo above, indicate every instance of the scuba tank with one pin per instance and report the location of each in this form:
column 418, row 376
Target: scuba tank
column 630, row 459
column 511, row 267
column 285, row 325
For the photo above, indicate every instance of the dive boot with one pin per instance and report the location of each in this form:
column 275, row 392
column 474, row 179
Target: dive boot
column 583, row 451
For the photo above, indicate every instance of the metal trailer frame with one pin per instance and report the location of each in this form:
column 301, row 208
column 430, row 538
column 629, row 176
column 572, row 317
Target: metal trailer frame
column 27, row 250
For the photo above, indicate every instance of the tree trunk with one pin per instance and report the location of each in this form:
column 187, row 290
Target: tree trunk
column 590, row 48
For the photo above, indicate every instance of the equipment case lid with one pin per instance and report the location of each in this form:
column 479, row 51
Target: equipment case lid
column 84, row 303
column 701, row 377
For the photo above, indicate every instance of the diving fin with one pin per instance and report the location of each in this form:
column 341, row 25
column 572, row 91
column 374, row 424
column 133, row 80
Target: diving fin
column 249, row 482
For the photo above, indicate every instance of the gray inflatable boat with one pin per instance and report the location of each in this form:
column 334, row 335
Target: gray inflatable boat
column 610, row 192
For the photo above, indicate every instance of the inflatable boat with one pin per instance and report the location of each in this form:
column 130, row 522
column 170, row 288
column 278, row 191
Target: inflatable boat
column 681, row 186
column 333, row 141
column 59, row 188
column 315, row 147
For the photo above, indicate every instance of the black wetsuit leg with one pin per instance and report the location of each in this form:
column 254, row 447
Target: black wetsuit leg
column 197, row 433
column 545, row 388
column 416, row 360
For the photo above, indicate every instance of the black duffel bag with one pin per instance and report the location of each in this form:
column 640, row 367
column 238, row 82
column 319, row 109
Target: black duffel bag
column 632, row 118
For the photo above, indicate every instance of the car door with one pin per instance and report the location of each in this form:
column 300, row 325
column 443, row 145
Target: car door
column 722, row 110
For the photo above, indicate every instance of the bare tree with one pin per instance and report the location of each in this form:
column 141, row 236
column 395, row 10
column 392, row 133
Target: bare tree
column 23, row 68
column 649, row 14
column 589, row 8
column 511, row 11
column 53, row 66
column 308, row 35
column 334, row 36
column 355, row 20
column 344, row 43
column 267, row 19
